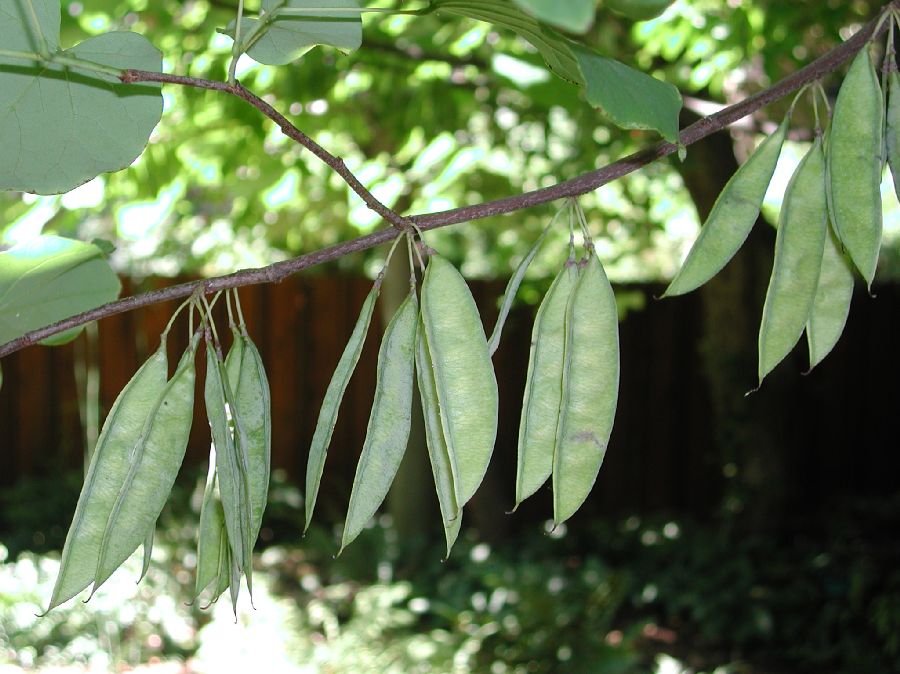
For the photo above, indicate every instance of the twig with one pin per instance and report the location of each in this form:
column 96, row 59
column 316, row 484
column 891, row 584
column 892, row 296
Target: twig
column 579, row 185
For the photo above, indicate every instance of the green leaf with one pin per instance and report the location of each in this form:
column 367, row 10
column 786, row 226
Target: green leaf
column 553, row 47
column 48, row 279
column 60, row 126
column 276, row 39
column 630, row 98
column 638, row 10
column 576, row 16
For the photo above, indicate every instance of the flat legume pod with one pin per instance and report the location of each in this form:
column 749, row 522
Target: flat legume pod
column 439, row 456
column 543, row 387
column 854, row 165
column 108, row 469
column 252, row 400
column 388, row 431
column 464, row 377
column 799, row 246
column 231, row 464
column 157, row 458
column 590, row 388
column 328, row 413
column 512, row 288
column 211, row 532
column 732, row 217
column 892, row 129
column 832, row 303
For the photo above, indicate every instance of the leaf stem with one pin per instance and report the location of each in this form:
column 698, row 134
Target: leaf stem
column 236, row 49
column 42, row 45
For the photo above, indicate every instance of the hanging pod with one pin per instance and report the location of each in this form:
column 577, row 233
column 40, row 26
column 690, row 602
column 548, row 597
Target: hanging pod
column 156, row 458
column 110, row 462
column 252, row 402
column 831, row 306
column 230, row 442
column 732, row 217
column 892, row 128
column 211, row 534
column 465, row 383
column 543, row 387
column 854, row 165
column 328, row 413
column 799, row 246
column 512, row 287
column 438, row 454
column 389, row 421
column 590, row 386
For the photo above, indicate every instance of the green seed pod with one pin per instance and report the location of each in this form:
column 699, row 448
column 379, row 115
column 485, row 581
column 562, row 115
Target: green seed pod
column 110, row 463
column 732, row 217
column 438, row 454
column 389, row 422
column 799, row 245
column 590, row 387
column 543, row 387
column 464, row 377
column 831, row 306
column 328, row 413
column 854, row 165
column 157, row 457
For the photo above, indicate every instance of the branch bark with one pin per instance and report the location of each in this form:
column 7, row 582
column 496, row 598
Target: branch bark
column 587, row 182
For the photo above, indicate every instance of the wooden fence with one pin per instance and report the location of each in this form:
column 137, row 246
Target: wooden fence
column 662, row 455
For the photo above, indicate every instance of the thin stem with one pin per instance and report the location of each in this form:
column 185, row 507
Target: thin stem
column 42, row 45
column 409, row 254
column 209, row 323
column 317, row 12
column 236, row 47
column 63, row 60
column 582, row 184
column 165, row 333
column 240, row 310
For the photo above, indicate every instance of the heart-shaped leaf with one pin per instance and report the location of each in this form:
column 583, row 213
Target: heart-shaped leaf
column 61, row 126
column 50, row 278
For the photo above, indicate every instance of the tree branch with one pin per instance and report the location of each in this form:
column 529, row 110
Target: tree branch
column 577, row 186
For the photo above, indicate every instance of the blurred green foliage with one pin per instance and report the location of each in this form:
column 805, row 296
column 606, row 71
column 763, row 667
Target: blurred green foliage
column 431, row 114
column 617, row 597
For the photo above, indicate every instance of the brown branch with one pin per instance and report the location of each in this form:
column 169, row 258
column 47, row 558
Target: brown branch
column 287, row 128
column 579, row 185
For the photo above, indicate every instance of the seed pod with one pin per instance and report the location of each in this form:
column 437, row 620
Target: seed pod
column 854, row 165
column 543, row 387
column 157, row 457
column 464, row 377
column 590, row 387
column 211, row 532
column 328, row 413
column 252, row 401
column 231, row 463
column 732, row 217
column 799, row 245
column 389, row 422
column 438, row 454
column 831, row 306
column 511, row 289
column 892, row 128
column 110, row 463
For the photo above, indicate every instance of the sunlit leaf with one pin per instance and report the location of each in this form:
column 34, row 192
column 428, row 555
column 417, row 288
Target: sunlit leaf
column 278, row 40
column 576, row 16
column 50, row 278
column 630, row 98
column 61, row 127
